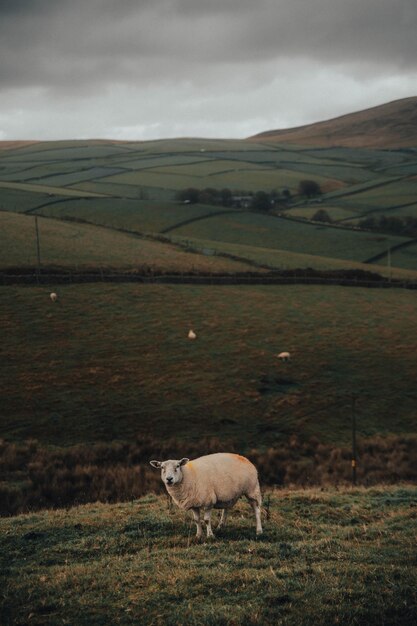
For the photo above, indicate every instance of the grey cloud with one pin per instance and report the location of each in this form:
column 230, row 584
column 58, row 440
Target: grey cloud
column 169, row 67
column 49, row 42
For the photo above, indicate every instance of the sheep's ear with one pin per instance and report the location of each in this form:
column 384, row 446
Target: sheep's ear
column 156, row 464
column 184, row 461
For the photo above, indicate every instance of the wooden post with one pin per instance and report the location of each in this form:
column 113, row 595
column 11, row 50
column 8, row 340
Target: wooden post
column 353, row 440
column 38, row 249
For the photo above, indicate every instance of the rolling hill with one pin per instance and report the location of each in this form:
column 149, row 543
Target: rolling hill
column 391, row 125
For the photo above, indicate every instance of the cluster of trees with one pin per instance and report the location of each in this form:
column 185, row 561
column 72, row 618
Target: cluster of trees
column 405, row 226
column 258, row 200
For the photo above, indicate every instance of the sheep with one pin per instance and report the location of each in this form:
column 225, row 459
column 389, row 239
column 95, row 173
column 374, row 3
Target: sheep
column 192, row 335
column 212, row 481
column 53, row 296
column 284, row 356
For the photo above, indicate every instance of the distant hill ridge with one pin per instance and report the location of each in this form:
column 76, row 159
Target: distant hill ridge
column 391, row 125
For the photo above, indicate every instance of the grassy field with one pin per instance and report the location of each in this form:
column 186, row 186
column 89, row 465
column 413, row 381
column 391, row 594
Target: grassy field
column 267, row 231
column 113, row 361
column 326, row 557
column 76, row 245
column 284, row 259
column 144, row 216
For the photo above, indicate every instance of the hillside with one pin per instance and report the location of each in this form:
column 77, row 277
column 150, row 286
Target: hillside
column 391, row 125
column 130, row 190
column 325, row 557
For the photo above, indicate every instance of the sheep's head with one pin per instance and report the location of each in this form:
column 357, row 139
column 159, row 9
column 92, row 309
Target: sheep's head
column 171, row 472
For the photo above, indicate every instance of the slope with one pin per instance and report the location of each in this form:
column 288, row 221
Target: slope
column 389, row 125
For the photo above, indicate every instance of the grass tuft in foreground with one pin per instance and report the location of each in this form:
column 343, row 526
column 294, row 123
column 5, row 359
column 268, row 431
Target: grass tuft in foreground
column 326, row 557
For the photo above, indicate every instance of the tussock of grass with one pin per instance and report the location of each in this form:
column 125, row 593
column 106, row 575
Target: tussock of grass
column 326, row 557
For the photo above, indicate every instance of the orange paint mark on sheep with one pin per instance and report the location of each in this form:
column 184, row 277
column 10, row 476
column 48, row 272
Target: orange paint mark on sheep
column 241, row 458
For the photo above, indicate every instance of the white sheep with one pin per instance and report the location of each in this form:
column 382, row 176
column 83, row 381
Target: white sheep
column 284, row 356
column 212, row 481
column 192, row 335
column 53, row 296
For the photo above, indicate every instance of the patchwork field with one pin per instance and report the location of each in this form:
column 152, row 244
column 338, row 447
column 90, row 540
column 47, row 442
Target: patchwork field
column 133, row 185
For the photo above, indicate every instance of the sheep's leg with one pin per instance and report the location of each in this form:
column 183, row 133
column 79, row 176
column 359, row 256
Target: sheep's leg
column 197, row 519
column 207, row 520
column 223, row 517
column 256, row 506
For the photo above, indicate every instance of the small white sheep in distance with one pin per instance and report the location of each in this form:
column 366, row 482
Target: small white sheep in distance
column 53, row 296
column 192, row 335
column 214, row 481
column 284, row 356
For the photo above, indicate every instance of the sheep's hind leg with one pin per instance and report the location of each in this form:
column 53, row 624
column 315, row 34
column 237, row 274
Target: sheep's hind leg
column 207, row 520
column 197, row 519
column 256, row 506
column 222, row 520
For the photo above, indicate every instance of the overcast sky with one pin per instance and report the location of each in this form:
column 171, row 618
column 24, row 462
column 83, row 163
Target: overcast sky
column 145, row 69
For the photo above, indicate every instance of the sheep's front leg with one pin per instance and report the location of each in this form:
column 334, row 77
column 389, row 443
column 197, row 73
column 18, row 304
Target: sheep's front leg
column 207, row 521
column 197, row 519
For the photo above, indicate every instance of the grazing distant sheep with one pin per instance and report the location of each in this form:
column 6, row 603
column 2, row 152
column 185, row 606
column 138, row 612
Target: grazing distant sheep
column 214, row 481
column 53, row 296
column 192, row 335
column 284, row 356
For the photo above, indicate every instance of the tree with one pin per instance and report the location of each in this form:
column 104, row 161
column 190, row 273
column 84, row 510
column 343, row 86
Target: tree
column 190, row 195
column 309, row 188
column 226, row 197
column 261, row 201
column 321, row 216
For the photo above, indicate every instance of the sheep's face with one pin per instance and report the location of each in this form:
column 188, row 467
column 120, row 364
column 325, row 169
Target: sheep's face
column 171, row 472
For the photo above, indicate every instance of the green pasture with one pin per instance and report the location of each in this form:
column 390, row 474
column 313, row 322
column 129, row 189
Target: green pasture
column 103, row 187
column 326, row 557
column 404, row 169
column 65, row 151
column 211, row 167
column 335, row 213
column 73, row 245
column 49, row 189
column 72, row 178
column 161, row 160
column 21, row 200
column 400, row 211
column 343, row 172
column 196, row 144
column 141, row 216
column 272, row 232
column 31, row 172
column 382, row 197
column 404, row 257
column 284, row 259
column 113, row 361
column 372, row 158
column 250, row 178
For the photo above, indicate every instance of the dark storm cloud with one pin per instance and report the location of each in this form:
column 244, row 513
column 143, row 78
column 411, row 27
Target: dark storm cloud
column 75, row 44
